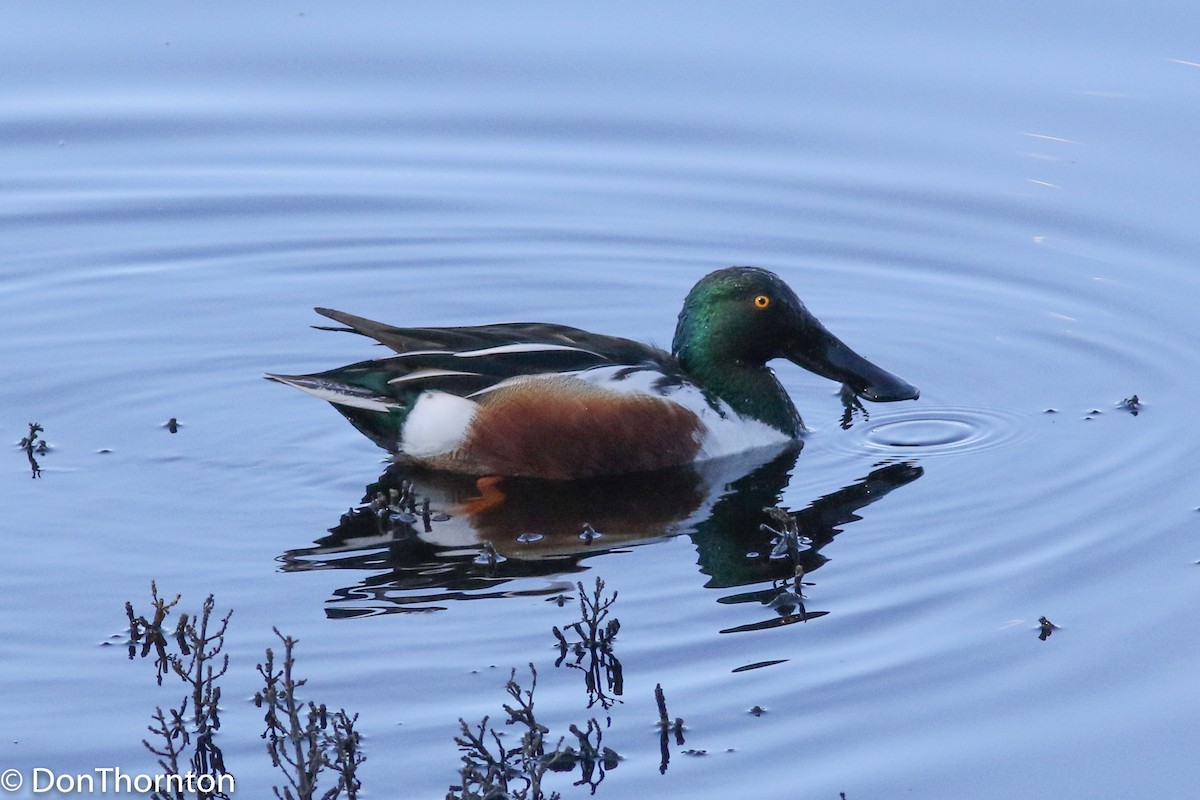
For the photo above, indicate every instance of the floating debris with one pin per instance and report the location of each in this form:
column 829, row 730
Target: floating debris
column 787, row 541
column 489, row 557
column 589, row 534
column 1131, row 404
column 1047, row 627
column 31, row 441
column 32, row 444
column 172, row 425
column 787, row 602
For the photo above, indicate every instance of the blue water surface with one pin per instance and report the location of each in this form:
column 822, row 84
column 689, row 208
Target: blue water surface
column 997, row 204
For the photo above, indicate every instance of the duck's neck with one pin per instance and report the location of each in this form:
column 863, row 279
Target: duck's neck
column 750, row 390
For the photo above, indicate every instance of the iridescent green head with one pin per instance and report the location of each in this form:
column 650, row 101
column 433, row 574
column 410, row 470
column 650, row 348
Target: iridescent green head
column 737, row 319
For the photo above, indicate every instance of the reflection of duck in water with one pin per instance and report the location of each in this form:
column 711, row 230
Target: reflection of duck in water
column 548, row 401
column 425, row 538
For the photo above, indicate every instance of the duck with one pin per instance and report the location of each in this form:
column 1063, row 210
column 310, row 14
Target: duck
column 548, row 401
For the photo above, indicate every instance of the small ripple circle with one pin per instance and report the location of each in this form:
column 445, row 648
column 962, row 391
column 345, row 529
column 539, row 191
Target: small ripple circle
column 934, row 431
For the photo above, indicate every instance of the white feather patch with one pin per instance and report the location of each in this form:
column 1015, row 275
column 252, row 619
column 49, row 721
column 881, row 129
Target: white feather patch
column 422, row 374
column 731, row 434
column 437, row 424
column 523, row 347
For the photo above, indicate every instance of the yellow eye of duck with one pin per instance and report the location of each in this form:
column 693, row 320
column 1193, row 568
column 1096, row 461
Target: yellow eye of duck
column 762, row 301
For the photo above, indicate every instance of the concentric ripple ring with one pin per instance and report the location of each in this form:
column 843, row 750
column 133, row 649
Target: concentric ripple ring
column 939, row 431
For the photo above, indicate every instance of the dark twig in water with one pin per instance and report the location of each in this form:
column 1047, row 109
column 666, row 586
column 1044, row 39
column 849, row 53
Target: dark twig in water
column 665, row 728
column 171, row 728
column 603, row 674
column 490, row 770
column 593, row 760
column 787, row 541
column 149, row 633
column 201, row 647
column 199, row 642
column 303, row 740
column 31, row 444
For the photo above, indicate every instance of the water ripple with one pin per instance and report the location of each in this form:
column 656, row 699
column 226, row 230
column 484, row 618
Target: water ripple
column 937, row 431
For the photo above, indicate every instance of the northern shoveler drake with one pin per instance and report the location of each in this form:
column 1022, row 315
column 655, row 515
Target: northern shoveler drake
column 550, row 401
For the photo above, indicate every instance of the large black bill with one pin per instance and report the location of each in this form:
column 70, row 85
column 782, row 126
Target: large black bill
column 827, row 356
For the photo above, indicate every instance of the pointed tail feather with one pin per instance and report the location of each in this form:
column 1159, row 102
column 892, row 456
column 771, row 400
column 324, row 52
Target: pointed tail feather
column 380, row 419
column 340, row 394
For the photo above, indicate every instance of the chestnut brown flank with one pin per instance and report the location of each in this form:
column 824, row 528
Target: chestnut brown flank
column 564, row 428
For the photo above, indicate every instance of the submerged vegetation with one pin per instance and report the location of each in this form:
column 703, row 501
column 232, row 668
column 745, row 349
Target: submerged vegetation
column 602, row 672
column 32, row 444
column 491, row 770
column 185, row 743
column 318, row 751
column 303, row 739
